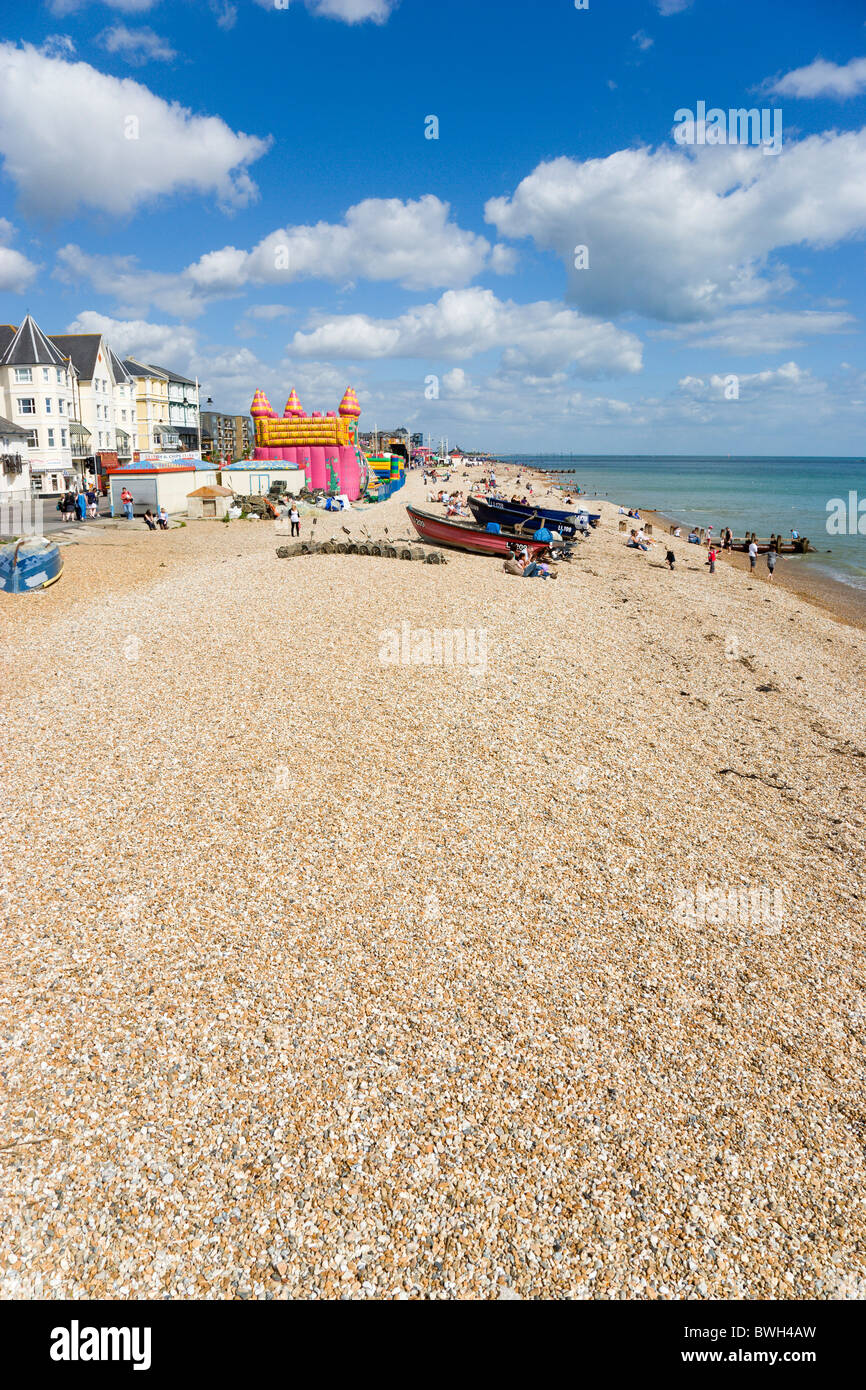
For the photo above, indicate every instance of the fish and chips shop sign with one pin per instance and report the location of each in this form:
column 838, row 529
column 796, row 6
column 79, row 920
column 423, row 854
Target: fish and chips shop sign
column 163, row 460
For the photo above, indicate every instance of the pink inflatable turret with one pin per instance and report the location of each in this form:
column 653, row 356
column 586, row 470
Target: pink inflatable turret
column 349, row 404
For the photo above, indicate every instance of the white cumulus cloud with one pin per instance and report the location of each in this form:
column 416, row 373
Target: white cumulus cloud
column 750, row 331
column 109, row 143
column 679, row 234
column 16, row 271
column 414, row 243
column 136, row 45
column 348, row 11
column 463, row 323
column 64, row 7
column 823, row 79
column 164, row 343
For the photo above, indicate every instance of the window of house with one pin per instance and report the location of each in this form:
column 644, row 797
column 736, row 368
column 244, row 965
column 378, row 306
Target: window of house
column 63, row 439
column 50, row 439
column 60, row 405
column 23, row 374
column 26, row 405
column 47, row 405
column 60, row 375
column 32, row 439
column 46, row 374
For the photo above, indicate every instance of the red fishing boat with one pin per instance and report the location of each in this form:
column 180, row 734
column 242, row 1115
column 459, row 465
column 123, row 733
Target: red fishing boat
column 463, row 535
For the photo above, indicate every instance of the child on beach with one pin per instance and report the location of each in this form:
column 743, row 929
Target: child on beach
column 671, row 559
column 771, row 563
column 711, row 560
column 753, row 555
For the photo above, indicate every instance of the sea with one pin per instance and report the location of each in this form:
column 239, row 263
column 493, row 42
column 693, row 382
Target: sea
column 758, row 494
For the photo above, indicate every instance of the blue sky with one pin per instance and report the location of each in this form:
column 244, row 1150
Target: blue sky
column 244, row 191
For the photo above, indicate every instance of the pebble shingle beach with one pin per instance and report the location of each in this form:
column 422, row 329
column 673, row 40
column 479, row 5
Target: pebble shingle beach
column 324, row 976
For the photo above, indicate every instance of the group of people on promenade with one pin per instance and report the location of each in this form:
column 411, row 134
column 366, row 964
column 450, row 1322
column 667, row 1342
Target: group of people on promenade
column 79, row 505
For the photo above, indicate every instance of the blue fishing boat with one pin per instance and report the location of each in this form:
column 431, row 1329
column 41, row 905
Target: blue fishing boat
column 26, row 565
column 529, row 518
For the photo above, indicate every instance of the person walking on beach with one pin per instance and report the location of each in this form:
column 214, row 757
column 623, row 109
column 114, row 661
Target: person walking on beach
column 127, row 500
column 711, row 559
column 772, row 557
column 295, row 519
column 753, row 555
column 671, row 560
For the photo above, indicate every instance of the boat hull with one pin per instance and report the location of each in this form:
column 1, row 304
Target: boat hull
column 486, row 509
column 463, row 536
column 29, row 565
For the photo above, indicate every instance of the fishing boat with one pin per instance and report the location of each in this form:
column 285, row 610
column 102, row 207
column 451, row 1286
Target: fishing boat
column 26, row 565
column 525, row 518
column 463, row 535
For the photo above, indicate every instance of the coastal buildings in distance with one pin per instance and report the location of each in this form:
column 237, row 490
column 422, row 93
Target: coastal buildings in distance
column 225, row 436
column 70, row 408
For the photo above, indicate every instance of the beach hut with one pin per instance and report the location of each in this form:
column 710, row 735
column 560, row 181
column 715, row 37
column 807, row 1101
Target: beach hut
column 155, row 484
column 251, row 478
column 205, row 502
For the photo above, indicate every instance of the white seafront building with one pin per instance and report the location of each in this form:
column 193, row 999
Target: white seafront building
column 36, row 385
column 76, row 409
column 103, row 400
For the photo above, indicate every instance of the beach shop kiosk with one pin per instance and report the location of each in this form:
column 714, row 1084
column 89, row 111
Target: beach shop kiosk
column 252, row 478
column 159, row 480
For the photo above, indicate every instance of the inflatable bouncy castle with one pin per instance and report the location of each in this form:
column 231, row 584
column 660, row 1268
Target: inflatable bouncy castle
column 325, row 446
